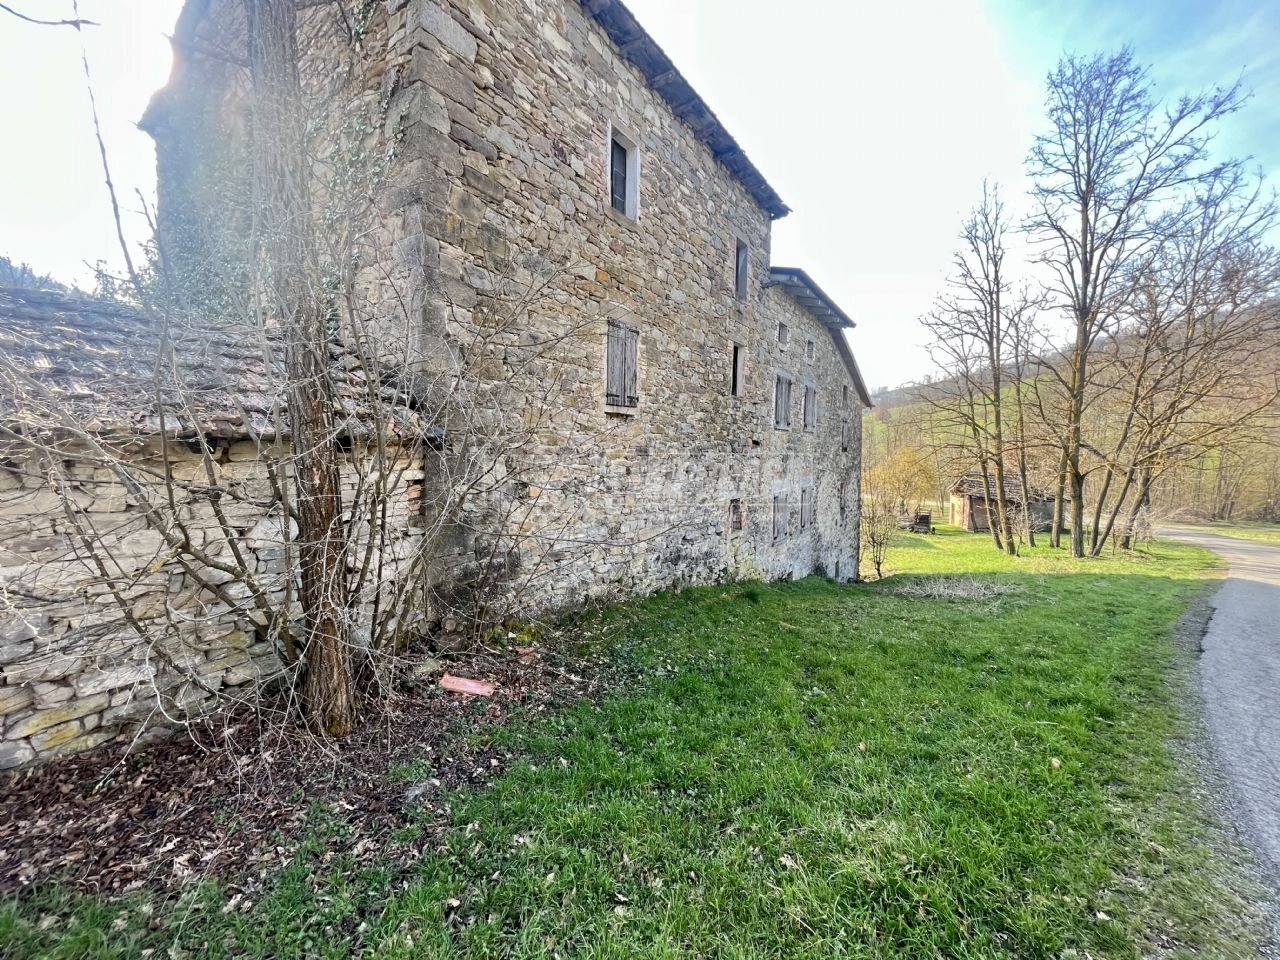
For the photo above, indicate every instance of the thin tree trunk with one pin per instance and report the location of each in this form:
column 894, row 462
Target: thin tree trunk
column 289, row 294
column 1100, row 541
column 1059, row 504
column 986, row 501
column 1028, row 523
column 1143, row 500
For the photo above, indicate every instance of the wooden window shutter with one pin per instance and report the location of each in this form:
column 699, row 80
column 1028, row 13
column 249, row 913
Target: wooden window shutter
column 631, row 368
column 782, row 402
column 615, row 354
column 618, row 176
column 622, row 365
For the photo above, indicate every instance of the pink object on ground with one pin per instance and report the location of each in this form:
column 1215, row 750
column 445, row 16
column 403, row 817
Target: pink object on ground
column 463, row 685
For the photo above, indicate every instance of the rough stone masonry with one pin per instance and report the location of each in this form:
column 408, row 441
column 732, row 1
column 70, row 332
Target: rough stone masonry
column 532, row 180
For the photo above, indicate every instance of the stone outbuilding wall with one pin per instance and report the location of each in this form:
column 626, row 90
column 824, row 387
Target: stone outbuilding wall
column 91, row 651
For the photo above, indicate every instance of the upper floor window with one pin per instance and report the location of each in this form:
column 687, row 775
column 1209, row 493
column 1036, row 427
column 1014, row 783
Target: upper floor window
column 738, row 371
column 784, row 335
column 844, row 434
column 741, row 267
column 810, row 407
column 624, row 175
column 844, row 395
column 622, row 365
column 808, row 350
column 782, row 401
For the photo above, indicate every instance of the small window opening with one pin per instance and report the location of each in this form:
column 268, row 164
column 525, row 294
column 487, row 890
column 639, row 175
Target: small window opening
column 808, row 350
column 810, row 407
column 806, row 508
column 779, row 517
column 624, row 175
column 737, row 375
column 741, row 265
column 844, row 395
column 844, row 435
column 784, row 334
column 782, row 401
column 735, row 514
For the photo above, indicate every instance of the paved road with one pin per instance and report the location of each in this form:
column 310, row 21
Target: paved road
column 1240, row 680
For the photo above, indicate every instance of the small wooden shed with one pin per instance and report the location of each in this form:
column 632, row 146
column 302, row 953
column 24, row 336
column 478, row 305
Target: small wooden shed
column 968, row 508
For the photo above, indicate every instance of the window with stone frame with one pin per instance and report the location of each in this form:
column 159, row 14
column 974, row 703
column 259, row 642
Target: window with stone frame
column 844, row 435
column 809, row 350
column 622, row 365
column 806, row 507
column 779, row 517
column 784, row 335
column 741, row 269
column 810, row 407
column 624, row 175
column 737, row 370
column 782, row 401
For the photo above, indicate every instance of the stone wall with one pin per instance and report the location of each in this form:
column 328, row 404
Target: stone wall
column 103, row 633
column 497, row 116
column 476, row 135
column 508, row 108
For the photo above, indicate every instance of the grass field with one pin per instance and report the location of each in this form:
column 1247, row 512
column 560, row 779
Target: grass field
column 803, row 770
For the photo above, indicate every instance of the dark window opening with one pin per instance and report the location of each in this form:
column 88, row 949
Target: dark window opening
column 622, row 361
column 735, row 514
column 740, row 268
column 737, row 378
column 618, row 175
column 844, row 434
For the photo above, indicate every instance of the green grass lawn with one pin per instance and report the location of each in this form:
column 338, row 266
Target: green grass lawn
column 1263, row 532
column 803, row 770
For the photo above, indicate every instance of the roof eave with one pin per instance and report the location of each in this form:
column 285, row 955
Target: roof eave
column 801, row 288
column 639, row 49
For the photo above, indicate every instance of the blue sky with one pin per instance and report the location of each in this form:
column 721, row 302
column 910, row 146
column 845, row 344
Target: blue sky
column 876, row 122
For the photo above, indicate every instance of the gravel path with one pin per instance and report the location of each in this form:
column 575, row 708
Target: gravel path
column 1239, row 677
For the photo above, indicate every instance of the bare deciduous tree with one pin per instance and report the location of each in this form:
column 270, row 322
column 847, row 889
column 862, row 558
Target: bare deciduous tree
column 1106, row 175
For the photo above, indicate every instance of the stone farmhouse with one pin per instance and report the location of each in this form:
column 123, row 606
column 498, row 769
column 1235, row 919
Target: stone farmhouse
column 561, row 259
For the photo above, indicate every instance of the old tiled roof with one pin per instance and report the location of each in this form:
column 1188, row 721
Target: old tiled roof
column 970, row 485
column 636, row 46
column 111, row 369
column 800, row 286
